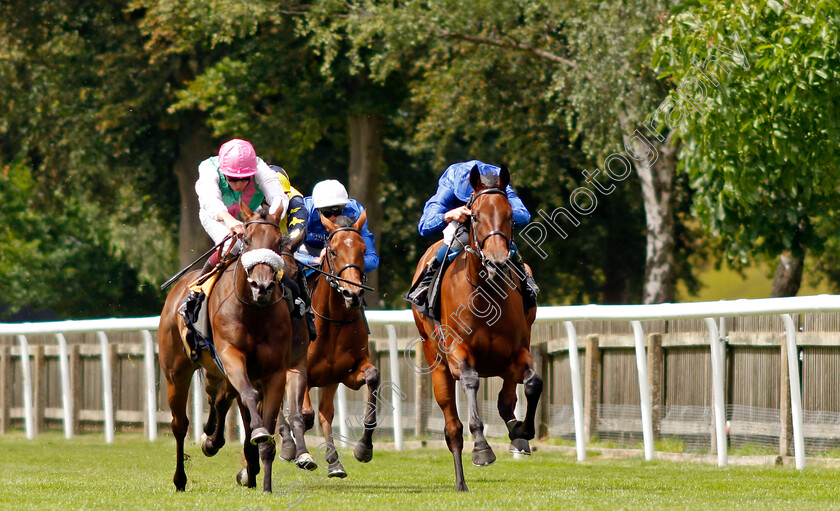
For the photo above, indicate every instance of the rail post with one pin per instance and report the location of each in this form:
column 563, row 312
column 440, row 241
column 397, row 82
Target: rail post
column 795, row 392
column 577, row 391
column 396, row 398
column 151, row 396
column 107, row 389
column 644, row 388
column 28, row 415
column 66, row 391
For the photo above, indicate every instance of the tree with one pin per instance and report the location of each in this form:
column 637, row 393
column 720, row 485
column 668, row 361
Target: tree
column 572, row 71
column 79, row 152
column 760, row 144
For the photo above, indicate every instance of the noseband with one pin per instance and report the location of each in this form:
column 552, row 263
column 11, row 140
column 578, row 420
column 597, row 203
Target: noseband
column 479, row 245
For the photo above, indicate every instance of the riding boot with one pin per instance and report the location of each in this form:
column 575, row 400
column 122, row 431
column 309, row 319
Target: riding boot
column 310, row 324
column 418, row 295
column 297, row 305
column 530, row 289
column 300, row 278
column 208, row 265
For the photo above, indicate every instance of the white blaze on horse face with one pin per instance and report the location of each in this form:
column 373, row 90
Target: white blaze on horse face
column 348, row 242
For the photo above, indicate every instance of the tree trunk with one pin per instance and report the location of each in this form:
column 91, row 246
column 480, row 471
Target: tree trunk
column 365, row 161
column 788, row 275
column 194, row 147
column 658, row 194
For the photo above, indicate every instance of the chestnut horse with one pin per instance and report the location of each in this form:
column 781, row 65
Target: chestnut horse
column 252, row 333
column 340, row 353
column 484, row 329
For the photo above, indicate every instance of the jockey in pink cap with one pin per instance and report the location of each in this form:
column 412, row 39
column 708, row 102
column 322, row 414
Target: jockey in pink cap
column 237, row 175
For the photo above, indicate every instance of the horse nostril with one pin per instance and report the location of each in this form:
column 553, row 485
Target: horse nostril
column 269, row 288
column 253, row 284
column 346, row 293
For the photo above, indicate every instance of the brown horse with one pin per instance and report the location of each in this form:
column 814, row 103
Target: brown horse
column 252, row 333
column 340, row 353
column 485, row 330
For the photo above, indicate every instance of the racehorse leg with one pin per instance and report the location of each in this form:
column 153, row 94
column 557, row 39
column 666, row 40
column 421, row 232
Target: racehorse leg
column 307, row 411
column 288, row 450
column 482, row 453
column 326, row 412
column 520, row 432
column 297, row 392
column 533, row 389
column 272, row 401
column 444, row 388
column 220, row 399
column 248, row 475
column 248, row 395
column 177, row 390
column 368, row 374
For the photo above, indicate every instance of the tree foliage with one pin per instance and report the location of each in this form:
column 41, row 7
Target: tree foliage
column 74, row 116
column 762, row 154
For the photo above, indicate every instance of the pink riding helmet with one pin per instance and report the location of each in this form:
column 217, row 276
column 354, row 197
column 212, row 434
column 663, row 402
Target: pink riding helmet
column 237, row 158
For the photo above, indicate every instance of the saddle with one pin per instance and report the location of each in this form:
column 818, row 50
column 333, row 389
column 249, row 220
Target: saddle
column 196, row 334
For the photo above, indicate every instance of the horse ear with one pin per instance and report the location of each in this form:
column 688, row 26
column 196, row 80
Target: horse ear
column 246, row 211
column 475, row 177
column 326, row 222
column 277, row 216
column 504, row 177
column 360, row 222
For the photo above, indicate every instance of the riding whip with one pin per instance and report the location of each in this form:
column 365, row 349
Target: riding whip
column 188, row 267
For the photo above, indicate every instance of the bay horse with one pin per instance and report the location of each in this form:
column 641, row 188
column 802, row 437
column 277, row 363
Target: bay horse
column 484, row 330
column 252, row 333
column 340, row 353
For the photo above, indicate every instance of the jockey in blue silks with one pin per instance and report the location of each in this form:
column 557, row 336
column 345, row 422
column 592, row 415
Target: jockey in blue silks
column 330, row 199
column 446, row 213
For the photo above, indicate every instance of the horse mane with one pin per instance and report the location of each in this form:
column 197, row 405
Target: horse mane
column 286, row 242
column 343, row 221
column 262, row 211
column 490, row 181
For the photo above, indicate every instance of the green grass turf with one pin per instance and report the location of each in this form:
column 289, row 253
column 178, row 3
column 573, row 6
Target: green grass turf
column 51, row 472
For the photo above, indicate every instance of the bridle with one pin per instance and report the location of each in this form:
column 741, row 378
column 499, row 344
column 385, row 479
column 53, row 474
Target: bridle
column 478, row 248
column 334, row 279
column 334, row 283
column 277, row 275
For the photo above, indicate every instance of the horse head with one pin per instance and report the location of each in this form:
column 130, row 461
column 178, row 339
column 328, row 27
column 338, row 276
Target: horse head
column 345, row 257
column 260, row 257
column 491, row 227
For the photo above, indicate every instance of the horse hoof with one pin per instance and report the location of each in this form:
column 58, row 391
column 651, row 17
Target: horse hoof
column 259, row 436
column 242, row 477
column 362, row 453
column 306, row 461
column 207, row 446
column 287, row 453
column 483, row 457
column 337, row 471
column 520, row 446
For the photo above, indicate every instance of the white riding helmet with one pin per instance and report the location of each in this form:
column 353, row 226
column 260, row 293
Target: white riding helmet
column 329, row 193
